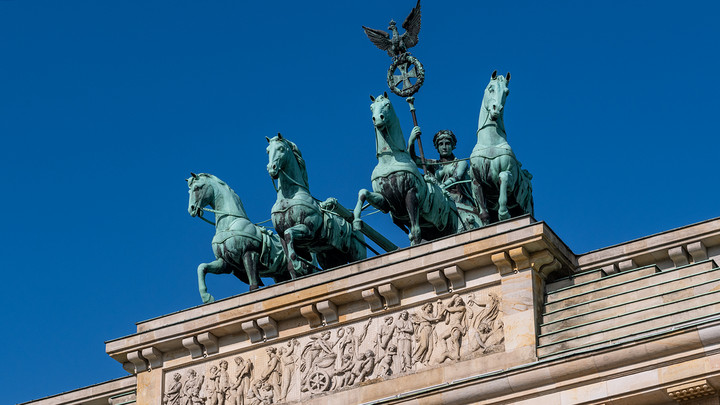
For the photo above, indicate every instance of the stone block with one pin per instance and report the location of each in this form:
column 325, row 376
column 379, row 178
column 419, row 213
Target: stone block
column 310, row 313
column 370, row 296
column 679, row 256
column 269, row 327
column 698, row 251
column 390, row 293
column 328, row 310
column 153, row 356
column 502, row 263
column 626, row 265
column 521, row 257
column 456, row 276
column 253, row 331
column 438, row 281
column 209, row 342
column 193, row 346
column 138, row 361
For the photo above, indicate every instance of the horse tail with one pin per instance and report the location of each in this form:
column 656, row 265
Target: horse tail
column 524, row 194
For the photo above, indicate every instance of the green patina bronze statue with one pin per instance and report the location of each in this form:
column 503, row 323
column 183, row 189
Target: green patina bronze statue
column 451, row 175
column 306, row 225
column 501, row 188
column 242, row 248
column 418, row 206
column 404, row 66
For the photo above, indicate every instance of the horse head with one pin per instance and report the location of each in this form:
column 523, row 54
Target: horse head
column 284, row 156
column 201, row 193
column 383, row 112
column 496, row 93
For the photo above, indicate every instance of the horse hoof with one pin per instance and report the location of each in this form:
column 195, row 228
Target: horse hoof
column 253, row 287
column 503, row 215
column 207, row 298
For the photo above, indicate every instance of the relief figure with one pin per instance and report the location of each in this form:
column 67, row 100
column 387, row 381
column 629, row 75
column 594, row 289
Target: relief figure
column 271, row 376
column 454, row 315
column 287, row 361
column 343, row 374
column 192, row 387
column 363, row 368
column 243, row 375
column 211, row 388
column 256, row 395
column 404, row 329
column 385, row 363
column 386, row 332
column 317, row 351
column 486, row 328
column 424, row 320
column 174, row 393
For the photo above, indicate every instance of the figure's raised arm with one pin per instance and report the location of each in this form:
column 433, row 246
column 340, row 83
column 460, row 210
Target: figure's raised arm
column 414, row 134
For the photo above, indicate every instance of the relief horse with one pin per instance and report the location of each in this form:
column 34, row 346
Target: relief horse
column 399, row 188
column 305, row 225
column 242, row 248
column 500, row 187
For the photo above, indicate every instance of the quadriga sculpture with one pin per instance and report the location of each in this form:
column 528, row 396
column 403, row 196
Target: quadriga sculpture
column 242, row 248
column 399, row 188
column 304, row 224
column 500, row 187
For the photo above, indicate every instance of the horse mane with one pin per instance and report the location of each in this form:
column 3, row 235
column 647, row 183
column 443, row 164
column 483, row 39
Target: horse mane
column 235, row 196
column 298, row 157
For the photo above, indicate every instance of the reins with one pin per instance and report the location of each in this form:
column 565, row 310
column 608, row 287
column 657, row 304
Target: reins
column 218, row 212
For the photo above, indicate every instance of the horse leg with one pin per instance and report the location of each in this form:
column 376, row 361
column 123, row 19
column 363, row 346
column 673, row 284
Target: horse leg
column 291, row 234
column 413, row 208
column 375, row 199
column 217, row 267
column 506, row 183
column 250, row 261
column 480, row 202
column 290, row 267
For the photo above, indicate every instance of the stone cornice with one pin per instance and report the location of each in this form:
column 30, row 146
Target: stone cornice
column 376, row 282
column 685, row 243
column 94, row 394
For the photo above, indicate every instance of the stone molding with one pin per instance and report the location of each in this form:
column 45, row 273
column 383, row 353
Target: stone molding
column 691, row 390
column 104, row 393
column 515, row 260
column 378, row 282
column 691, row 239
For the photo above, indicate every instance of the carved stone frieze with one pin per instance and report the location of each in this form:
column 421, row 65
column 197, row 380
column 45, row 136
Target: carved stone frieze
column 383, row 346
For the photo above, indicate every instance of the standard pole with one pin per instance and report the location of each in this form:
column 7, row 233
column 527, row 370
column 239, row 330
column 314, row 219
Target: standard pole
column 411, row 101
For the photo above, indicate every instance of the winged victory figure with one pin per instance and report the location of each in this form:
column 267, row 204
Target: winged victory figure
column 398, row 44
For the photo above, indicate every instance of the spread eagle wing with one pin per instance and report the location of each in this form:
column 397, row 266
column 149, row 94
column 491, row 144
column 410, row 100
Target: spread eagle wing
column 412, row 27
column 380, row 38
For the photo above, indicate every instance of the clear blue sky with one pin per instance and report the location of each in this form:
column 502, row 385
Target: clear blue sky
column 106, row 106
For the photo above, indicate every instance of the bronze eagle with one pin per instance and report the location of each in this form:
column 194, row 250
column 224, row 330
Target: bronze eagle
column 398, row 44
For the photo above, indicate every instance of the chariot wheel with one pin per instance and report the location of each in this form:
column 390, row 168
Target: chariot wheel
column 318, row 381
column 405, row 75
